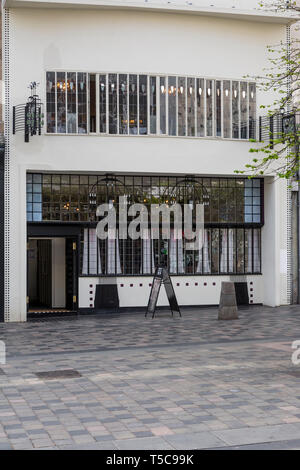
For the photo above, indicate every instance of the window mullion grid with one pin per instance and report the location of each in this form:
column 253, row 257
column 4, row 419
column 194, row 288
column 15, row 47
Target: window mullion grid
column 195, row 104
column 158, row 105
column 66, row 100
column 107, row 103
column 205, row 107
column 56, row 102
column 118, row 103
column 239, row 110
column 97, row 112
column 214, row 103
column 148, row 104
column 88, row 100
column 248, row 113
column 127, row 105
column 167, row 104
column 222, row 108
column 138, row 104
column 230, row 106
column 176, row 105
column 186, row 109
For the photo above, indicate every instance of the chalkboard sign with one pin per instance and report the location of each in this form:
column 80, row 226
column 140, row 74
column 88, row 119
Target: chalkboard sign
column 162, row 276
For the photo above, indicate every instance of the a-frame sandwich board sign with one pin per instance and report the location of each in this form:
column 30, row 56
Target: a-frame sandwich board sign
column 162, row 276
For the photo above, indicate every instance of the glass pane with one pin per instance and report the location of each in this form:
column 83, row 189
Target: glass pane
column 61, row 102
column 51, row 89
column 92, row 78
column 82, row 102
column 123, row 117
column 252, row 111
column 226, row 109
column 244, row 110
column 152, row 105
column 162, row 105
column 240, row 250
column 191, row 88
column 133, row 128
column 256, row 251
column 218, row 98
column 235, row 111
column 102, row 103
column 71, row 107
column 209, row 107
column 113, row 103
column 172, row 105
column 181, row 106
column 248, row 250
column 215, row 251
column 143, row 107
column 200, row 107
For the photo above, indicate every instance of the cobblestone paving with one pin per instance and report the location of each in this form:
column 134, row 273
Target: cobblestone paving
column 182, row 383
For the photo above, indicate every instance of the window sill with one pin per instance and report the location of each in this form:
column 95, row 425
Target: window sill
column 153, row 136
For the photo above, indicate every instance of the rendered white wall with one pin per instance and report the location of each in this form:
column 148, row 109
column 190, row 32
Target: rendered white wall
column 135, row 291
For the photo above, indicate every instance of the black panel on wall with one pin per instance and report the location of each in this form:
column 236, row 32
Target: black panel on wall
column 2, row 149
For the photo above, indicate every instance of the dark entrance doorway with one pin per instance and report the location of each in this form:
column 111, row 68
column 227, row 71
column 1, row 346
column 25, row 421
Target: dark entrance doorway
column 51, row 275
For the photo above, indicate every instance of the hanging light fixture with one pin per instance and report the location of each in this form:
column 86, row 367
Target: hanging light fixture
column 162, row 88
column 102, row 85
column 200, row 91
column 244, row 94
column 235, row 93
column 191, row 90
column 226, row 92
column 208, row 91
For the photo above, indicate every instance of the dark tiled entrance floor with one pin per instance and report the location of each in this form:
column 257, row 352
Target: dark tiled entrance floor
column 189, row 382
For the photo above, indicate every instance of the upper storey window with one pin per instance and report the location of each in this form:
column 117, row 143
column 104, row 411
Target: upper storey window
column 131, row 104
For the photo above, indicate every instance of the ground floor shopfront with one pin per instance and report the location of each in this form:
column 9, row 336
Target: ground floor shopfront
column 66, row 261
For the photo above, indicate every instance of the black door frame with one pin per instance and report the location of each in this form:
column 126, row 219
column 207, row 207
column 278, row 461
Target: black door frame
column 61, row 230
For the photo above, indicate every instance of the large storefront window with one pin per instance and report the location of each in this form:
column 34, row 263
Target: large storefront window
column 233, row 217
column 147, row 105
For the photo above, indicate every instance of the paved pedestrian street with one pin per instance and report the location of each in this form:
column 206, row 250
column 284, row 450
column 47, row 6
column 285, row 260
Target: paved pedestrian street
column 126, row 382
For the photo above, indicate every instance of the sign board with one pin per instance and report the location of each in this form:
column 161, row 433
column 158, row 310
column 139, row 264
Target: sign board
column 162, row 276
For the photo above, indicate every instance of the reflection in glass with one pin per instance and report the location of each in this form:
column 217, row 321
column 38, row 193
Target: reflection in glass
column 252, row 110
column 172, row 105
column 123, row 118
column 226, row 109
column 51, row 88
column 71, row 107
column 82, row 102
column 181, row 106
column 209, row 107
column 102, row 103
column 240, row 250
column 162, row 96
column 143, row 108
column 113, row 103
column 61, row 102
column 191, row 106
column 92, row 91
column 215, row 251
column 218, row 98
column 133, row 126
column 235, row 110
column 244, row 110
column 152, row 105
column 200, row 107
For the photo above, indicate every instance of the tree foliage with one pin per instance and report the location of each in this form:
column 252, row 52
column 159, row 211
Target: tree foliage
column 279, row 153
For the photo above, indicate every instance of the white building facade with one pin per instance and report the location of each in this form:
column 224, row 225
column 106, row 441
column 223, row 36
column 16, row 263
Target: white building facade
column 146, row 100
